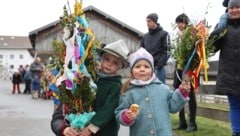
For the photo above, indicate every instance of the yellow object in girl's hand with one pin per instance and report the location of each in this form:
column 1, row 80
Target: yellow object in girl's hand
column 134, row 108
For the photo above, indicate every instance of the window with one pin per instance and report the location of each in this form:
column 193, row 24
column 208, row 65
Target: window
column 1, row 56
column 11, row 56
column 20, row 56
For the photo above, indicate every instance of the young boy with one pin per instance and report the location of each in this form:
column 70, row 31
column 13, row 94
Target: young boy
column 113, row 58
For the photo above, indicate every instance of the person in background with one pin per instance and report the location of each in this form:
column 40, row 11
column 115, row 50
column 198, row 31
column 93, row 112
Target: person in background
column 109, row 83
column 182, row 22
column 27, row 78
column 16, row 80
column 152, row 100
column 224, row 17
column 228, row 77
column 157, row 42
column 36, row 69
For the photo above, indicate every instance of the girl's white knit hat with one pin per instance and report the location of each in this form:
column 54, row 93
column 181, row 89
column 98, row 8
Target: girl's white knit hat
column 140, row 54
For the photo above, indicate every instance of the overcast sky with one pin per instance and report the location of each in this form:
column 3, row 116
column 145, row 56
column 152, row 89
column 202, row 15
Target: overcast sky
column 19, row 17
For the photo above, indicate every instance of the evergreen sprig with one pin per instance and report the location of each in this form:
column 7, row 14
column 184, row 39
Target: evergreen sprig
column 67, row 20
column 186, row 46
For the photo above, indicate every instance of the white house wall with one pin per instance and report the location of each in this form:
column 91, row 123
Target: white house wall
column 6, row 62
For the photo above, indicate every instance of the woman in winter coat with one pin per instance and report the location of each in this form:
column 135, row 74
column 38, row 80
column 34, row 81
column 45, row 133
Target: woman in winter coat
column 228, row 79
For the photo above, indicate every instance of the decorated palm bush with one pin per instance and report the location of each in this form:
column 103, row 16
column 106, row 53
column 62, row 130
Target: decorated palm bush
column 192, row 52
column 74, row 68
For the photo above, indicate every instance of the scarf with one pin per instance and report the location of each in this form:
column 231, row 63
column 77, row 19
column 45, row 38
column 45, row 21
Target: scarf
column 141, row 82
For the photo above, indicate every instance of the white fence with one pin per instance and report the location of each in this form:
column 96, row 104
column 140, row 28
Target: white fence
column 217, row 99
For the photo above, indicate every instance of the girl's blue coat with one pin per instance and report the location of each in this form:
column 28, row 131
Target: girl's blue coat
column 156, row 101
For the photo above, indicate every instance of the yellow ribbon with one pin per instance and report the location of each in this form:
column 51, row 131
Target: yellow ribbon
column 55, row 95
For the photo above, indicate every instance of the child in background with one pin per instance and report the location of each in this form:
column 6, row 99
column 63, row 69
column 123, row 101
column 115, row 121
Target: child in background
column 154, row 99
column 16, row 80
column 113, row 58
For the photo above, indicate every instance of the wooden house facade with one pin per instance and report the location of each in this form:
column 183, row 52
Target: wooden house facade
column 105, row 28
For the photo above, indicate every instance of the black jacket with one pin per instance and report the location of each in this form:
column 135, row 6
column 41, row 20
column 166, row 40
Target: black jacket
column 157, row 43
column 57, row 122
column 16, row 78
column 228, row 79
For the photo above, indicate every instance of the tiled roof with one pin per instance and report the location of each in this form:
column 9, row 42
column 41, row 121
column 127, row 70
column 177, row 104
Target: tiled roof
column 15, row 42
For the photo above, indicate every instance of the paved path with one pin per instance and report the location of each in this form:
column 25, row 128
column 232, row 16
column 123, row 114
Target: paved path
column 22, row 116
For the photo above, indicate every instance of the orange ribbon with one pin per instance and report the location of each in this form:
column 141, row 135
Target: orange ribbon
column 201, row 54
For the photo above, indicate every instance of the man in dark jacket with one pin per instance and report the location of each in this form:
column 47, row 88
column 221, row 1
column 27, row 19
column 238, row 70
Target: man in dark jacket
column 157, row 43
